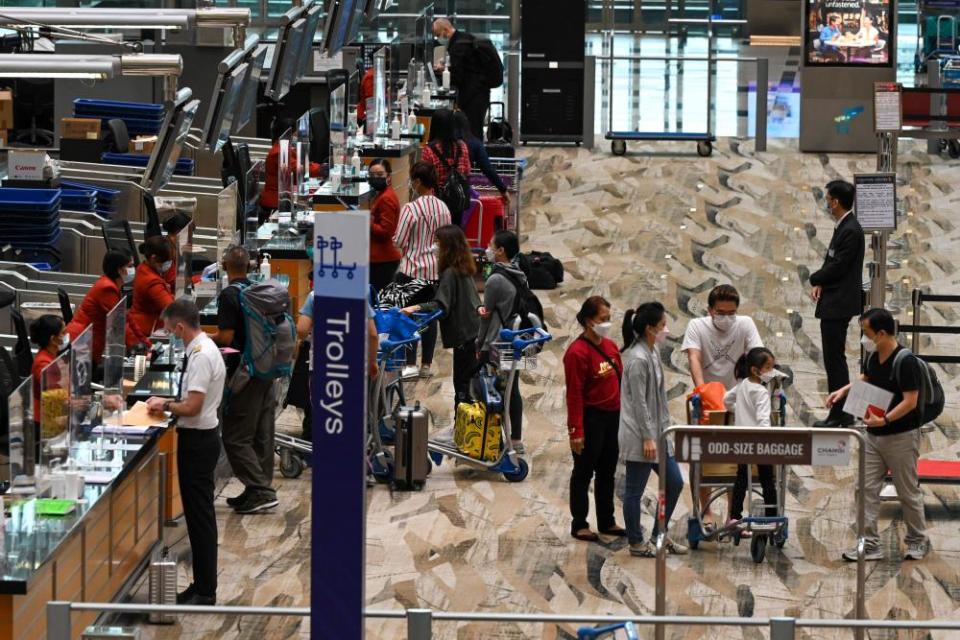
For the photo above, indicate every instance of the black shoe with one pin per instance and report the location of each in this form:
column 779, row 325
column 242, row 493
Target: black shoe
column 834, row 423
column 197, row 600
column 186, row 594
column 238, row 500
column 256, row 502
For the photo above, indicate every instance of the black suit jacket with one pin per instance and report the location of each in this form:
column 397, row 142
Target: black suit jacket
column 841, row 275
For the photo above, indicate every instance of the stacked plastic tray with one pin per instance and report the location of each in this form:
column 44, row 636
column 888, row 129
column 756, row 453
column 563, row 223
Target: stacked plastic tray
column 30, row 224
column 78, row 200
column 107, row 201
column 141, row 118
column 184, row 165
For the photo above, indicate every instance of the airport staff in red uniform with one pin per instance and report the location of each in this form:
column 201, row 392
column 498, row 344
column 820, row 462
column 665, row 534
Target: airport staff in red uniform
column 49, row 334
column 104, row 296
column 151, row 293
column 270, row 196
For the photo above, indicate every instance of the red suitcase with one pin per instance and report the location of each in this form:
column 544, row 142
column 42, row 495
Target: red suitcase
column 486, row 219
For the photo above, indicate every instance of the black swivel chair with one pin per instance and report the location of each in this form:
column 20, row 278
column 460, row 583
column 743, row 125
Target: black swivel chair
column 119, row 237
column 21, row 351
column 34, row 105
column 66, row 309
column 117, row 139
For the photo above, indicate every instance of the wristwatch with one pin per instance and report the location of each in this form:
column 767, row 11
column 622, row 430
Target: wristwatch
column 166, row 405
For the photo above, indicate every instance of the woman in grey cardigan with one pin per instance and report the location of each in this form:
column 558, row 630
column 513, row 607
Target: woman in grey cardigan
column 643, row 417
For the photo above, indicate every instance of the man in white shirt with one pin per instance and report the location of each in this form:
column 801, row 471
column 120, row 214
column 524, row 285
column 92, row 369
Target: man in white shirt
column 198, row 443
column 713, row 345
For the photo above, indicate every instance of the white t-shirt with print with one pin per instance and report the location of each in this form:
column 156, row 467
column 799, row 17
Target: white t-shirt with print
column 720, row 350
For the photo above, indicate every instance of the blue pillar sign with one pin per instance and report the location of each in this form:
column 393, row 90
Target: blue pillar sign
column 341, row 254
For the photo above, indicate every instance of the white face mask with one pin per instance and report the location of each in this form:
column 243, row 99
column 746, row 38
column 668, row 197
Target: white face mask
column 724, row 323
column 661, row 336
column 435, row 249
column 65, row 342
column 491, row 256
column 602, row 329
column 868, row 344
column 767, row 376
column 166, row 266
column 131, row 274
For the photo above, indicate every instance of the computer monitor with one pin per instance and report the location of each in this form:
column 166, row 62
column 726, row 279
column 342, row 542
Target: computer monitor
column 222, row 111
column 343, row 30
column 313, row 14
column 373, row 9
column 247, row 102
column 176, row 126
column 329, row 23
column 274, row 89
column 290, row 64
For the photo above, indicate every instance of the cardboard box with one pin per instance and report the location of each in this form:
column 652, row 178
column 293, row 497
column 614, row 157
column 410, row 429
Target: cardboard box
column 80, row 128
column 6, row 110
column 143, row 144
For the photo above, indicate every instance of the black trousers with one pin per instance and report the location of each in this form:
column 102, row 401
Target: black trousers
column 833, row 337
column 765, row 471
column 382, row 273
column 516, row 410
column 464, row 368
column 475, row 108
column 598, row 461
column 197, row 454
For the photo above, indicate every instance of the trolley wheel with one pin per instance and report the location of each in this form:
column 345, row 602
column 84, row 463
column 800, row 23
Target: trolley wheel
column 618, row 147
column 383, row 473
column 953, row 149
column 704, row 148
column 291, row 466
column 520, row 474
column 758, row 547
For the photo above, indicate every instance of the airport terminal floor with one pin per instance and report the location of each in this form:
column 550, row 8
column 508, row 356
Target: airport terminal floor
column 658, row 224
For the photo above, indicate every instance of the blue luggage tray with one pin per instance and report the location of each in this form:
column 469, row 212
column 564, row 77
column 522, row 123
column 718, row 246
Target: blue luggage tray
column 15, row 199
column 118, row 108
column 184, row 166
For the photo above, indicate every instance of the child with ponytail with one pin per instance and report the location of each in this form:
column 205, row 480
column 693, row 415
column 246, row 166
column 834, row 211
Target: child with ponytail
column 750, row 402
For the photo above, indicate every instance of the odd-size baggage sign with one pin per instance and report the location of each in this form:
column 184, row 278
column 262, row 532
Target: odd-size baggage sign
column 768, row 446
column 341, row 253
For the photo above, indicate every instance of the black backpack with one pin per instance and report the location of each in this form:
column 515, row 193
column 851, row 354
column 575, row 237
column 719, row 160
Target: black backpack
column 455, row 192
column 543, row 271
column 525, row 302
column 488, row 62
column 931, row 398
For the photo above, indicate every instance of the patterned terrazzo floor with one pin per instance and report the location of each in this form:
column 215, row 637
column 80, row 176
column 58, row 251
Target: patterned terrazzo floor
column 643, row 227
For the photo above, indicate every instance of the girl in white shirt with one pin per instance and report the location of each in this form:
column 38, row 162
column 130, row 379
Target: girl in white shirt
column 750, row 402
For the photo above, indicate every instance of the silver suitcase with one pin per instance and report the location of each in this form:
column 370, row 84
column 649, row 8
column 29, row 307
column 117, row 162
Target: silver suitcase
column 163, row 586
column 411, row 464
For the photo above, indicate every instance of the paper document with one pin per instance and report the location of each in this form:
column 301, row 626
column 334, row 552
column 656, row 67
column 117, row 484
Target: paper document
column 865, row 397
column 139, row 416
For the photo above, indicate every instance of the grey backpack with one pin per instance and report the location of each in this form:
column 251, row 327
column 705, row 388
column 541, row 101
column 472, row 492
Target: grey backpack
column 271, row 334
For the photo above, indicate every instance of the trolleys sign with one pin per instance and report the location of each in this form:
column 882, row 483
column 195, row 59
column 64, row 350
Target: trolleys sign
column 773, row 447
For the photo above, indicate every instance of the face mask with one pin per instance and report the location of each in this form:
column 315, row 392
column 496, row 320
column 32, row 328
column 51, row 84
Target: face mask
column 602, row 329
column 661, row 336
column 491, row 256
column 377, row 183
column 767, row 376
column 131, row 274
column 166, row 266
column 435, row 249
column 868, row 344
column 65, row 342
column 443, row 41
column 724, row 323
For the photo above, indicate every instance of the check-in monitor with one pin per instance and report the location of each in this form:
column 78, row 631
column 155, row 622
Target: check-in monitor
column 347, row 23
column 290, row 64
column 281, row 51
column 247, row 101
column 313, row 14
column 176, row 126
column 223, row 110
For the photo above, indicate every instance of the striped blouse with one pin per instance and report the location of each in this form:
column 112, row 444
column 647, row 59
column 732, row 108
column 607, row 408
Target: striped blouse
column 416, row 233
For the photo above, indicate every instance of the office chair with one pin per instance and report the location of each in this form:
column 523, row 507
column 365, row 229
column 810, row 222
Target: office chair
column 117, row 138
column 21, row 351
column 66, row 309
column 34, row 105
column 119, row 237
column 319, row 135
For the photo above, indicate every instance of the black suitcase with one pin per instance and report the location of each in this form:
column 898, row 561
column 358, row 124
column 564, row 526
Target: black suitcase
column 500, row 150
column 411, row 463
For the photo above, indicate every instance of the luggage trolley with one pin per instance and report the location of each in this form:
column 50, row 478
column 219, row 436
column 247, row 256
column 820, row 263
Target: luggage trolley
column 517, row 349
column 487, row 216
column 936, row 30
column 759, row 527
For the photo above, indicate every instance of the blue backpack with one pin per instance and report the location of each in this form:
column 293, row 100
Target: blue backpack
column 271, row 334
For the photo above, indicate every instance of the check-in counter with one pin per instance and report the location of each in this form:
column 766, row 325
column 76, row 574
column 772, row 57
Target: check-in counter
column 90, row 554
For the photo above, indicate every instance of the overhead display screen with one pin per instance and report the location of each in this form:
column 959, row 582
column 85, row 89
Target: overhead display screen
column 849, row 33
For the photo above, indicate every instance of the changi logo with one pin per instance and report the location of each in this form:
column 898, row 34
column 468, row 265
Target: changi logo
column 839, row 448
column 335, row 265
column 842, row 121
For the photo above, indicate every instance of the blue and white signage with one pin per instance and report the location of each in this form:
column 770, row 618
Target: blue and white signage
column 341, row 254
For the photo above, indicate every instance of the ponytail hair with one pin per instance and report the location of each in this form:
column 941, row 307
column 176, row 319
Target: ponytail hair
column 756, row 357
column 635, row 322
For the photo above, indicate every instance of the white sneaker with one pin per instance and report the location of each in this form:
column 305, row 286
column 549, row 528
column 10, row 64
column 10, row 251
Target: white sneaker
column 410, row 372
column 675, row 548
column 870, row 555
column 888, row 492
column 917, row 551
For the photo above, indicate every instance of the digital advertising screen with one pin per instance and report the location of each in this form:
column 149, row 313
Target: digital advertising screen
column 849, row 33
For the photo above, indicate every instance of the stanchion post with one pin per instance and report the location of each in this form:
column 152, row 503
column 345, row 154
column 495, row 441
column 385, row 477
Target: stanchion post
column 861, row 536
column 419, row 624
column 915, row 337
column 783, row 628
column 58, row 621
column 760, row 126
column 589, row 101
column 660, row 578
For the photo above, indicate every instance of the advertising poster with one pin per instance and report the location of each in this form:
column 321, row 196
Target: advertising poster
column 849, row 32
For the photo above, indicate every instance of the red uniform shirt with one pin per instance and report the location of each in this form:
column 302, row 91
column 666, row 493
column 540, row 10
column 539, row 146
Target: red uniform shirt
column 270, row 196
column 384, row 216
column 93, row 310
column 43, row 359
column 151, row 295
column 366, row 91
column 591, row 381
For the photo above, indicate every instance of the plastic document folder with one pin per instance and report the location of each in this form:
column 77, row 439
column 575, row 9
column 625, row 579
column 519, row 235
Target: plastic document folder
column 864, row 397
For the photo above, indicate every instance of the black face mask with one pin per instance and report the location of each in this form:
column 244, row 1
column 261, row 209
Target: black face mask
column 377, row 183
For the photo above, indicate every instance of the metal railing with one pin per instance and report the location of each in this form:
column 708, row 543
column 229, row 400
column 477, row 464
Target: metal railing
column 420, row 621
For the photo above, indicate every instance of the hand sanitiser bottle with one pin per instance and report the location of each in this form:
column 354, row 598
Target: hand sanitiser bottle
column 446, row 74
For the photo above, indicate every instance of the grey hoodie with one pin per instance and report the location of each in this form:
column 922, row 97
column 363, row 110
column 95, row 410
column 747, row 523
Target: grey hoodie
column 498, row 297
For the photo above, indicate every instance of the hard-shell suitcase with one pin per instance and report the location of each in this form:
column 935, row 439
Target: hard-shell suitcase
column 411, row 464
column 486, row 221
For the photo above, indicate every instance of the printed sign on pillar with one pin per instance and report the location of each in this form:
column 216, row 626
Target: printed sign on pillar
column 341, row 251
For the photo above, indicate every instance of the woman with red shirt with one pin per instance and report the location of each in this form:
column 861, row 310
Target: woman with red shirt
column 151, row 293
column 50, row 336
column 104, row 296
column 270, row 196
column 445, row 151
column 384, row 216
column 593, row 369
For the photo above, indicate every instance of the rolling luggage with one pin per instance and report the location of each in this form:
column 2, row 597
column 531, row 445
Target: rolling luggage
column 499, row 131
column 411, row 464
column 476, row 432
column 486, row 221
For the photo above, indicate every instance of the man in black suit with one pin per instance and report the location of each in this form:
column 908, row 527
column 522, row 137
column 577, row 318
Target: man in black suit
column 466, row 73
column 838, row 292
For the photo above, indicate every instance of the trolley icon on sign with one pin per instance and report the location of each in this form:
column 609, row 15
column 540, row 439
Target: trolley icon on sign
column 335, row 266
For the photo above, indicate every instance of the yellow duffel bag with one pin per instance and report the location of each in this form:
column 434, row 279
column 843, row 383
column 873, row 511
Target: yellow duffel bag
column 475, row 434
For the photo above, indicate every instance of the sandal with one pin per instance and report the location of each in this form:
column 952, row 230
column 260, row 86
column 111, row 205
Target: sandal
column 586, row 535
column 619, row 532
